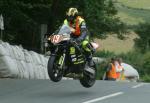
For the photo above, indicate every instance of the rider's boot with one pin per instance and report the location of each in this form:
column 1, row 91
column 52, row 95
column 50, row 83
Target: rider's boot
column 90, row 63
column 89, row 59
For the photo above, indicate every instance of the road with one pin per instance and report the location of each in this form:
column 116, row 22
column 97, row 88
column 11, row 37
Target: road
column 70, row 91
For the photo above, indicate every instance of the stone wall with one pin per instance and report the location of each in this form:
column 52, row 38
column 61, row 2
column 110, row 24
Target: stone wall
column 16, row 62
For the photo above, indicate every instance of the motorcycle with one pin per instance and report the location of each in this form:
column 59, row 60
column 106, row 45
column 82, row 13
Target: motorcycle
column 67, row 59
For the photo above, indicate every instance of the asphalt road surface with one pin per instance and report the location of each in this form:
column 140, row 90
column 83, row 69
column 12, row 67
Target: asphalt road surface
column 70, row 91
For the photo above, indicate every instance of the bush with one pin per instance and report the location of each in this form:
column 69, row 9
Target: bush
column 146, row 63
column 104, row 54
column 143, row 42
column 101, row 69
column 145, row 78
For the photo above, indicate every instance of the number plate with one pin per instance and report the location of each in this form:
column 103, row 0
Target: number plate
column 56, row 39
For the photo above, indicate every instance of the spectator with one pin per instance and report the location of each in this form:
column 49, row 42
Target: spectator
column 119, row 69
column 111, row 71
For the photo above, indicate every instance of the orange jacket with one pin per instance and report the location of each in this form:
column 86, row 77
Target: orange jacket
column 78, row 22
column 112, row 72
column 77, row 27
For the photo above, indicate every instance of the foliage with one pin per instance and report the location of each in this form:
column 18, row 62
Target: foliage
column 146, row 63
column 141, row 4
column 100, row 15
column 130, row 13
column 23, row 18
column 104, row 54
column 143, row 42
column 101, row 69
column 146, row 78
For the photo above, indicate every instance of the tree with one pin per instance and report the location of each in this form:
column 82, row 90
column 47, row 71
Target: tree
column 23, row 18
column 143, row 42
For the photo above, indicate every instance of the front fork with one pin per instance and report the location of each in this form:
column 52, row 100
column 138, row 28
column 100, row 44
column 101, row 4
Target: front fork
column 61, row 60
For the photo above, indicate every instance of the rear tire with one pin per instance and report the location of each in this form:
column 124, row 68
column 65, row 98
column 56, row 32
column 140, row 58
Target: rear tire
column 88, row 81
column 53, row 71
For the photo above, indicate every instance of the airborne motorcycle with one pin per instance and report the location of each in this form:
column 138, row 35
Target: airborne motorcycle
column 67, row 59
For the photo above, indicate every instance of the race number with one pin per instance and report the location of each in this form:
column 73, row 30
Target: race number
column 56, row 39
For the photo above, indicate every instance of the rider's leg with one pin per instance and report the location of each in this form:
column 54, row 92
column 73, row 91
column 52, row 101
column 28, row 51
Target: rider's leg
column 88, row 52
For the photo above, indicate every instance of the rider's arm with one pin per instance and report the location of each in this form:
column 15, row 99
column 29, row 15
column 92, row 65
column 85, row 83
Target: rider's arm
column 83, row 31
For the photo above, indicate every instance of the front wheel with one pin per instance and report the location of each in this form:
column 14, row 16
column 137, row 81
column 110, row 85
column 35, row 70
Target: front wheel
column 54, row 71
column 89, row 79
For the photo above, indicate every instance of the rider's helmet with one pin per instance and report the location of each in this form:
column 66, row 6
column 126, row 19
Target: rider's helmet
column 72, row 14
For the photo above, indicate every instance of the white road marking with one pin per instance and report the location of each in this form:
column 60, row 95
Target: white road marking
column 104, row 97
column 139, row 85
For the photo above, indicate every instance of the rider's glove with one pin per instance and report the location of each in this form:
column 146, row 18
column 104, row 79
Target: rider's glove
column 78, row 40
column 72, row 40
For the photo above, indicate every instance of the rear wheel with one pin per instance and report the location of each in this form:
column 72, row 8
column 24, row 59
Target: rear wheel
column 54, row 72
column 89, row 79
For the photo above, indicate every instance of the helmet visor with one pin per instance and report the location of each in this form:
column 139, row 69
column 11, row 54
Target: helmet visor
column 71, row 18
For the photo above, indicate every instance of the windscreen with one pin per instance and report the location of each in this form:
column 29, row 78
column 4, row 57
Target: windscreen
column 65, row 29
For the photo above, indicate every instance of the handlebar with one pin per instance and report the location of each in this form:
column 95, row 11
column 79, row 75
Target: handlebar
column 75, row 44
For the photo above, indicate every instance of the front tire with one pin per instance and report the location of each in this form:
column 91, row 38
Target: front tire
column 54, row 72
column 89, row 79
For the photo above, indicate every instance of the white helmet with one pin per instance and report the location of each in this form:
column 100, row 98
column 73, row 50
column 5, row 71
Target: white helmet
column 72, row 12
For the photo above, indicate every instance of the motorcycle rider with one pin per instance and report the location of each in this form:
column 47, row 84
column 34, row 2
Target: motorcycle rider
column 79, row 32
